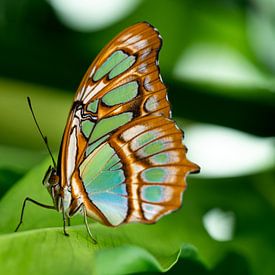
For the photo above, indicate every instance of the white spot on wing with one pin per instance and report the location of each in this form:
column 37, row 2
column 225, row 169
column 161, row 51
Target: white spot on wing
column 160, row 78
column 134, row 39
column 147, row 84
column 132, row 132
column 141, row 44
column 142, row 68
column 92, row 72
column 145, row 53
column 150, row 211
column 92, row 92
column 151, row 104
column 177, row 127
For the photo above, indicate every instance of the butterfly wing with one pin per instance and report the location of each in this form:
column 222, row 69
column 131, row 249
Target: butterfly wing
column 122, row 103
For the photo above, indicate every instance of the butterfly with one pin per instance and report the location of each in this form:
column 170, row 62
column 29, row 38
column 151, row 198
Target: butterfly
column 122, row 158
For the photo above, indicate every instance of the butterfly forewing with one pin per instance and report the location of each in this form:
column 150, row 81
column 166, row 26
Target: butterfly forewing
column 121, row 154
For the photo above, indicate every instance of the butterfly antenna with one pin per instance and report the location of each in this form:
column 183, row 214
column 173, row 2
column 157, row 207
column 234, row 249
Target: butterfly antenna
column 44, row 137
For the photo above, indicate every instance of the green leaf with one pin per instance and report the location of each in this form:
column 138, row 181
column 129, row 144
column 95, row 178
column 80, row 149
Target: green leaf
column 50, row 252
column 143, row 248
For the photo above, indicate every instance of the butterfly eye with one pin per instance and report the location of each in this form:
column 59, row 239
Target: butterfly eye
column 51, row 177
column 54, row 179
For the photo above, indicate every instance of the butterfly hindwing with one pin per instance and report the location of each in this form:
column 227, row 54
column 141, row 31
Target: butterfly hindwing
column 155, row 166
column 138, row 174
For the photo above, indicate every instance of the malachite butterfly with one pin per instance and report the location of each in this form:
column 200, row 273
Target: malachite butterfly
column 122, row 158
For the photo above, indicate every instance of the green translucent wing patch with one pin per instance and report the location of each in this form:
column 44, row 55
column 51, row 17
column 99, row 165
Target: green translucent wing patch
column 116, row 64
column 122, row 67
column 109, row 64
column 143, row 139
column 168, row 157
column 153, row 193
column 161, row 158
column 155, row 174
column 109, row 124
column 96, row 144
column 153, row 148
column 105, row 187
column 121, row 94
column 98, row 159
column 113, row 161
column 92, row 107
column 95, row 170
column 86, row 127
column 116, row 166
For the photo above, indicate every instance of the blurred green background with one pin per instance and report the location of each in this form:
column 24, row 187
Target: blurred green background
column 218, row 62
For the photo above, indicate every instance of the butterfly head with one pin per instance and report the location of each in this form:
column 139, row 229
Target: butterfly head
column 52, row 183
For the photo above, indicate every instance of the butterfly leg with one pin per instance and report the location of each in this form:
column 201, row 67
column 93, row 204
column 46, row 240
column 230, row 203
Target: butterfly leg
column 87, row 225
column 64, row 222
column 34, row 202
